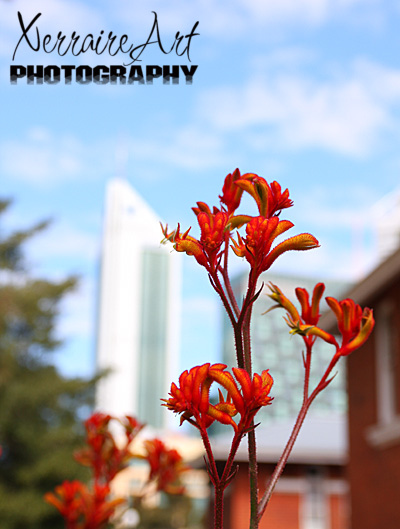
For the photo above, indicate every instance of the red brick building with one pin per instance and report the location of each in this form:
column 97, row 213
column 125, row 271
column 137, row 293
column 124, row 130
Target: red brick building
column 312, row 492
column 374, row 405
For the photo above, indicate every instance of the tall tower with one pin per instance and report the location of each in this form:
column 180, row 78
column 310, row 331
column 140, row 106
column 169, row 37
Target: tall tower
column 139, row 309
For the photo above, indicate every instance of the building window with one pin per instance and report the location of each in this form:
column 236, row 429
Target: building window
column 315, row 507
column 387, row 429
column 153, row 340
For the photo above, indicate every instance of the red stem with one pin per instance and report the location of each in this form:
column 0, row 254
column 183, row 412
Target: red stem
column 220, row 484
column 307, row 401
column 220, row 291
column 227, row 282
column 218, row 507
column 213, row 467
column 235, row 323
column 282, row 461
column 253, row 468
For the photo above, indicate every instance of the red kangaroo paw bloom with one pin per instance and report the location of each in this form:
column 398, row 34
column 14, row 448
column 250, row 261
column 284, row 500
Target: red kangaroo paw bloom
column 282, row 302
column 212, row 227
column 67, row 500
column 310, row 313
column 231, row 193
column 191, row 397
column 304, row 241
column 355, row 324
column 132, row 427
column 102, row 453
column 255, row 393
column 260, row 234
column 269, row 198
column 166, row 466
column 97, row 510
column 185, row 243
column 81, row 507
column 305, row 325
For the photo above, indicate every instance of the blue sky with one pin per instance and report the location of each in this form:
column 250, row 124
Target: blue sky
column 305, row 92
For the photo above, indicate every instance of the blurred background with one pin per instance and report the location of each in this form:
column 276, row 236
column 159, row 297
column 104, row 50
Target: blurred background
column 305, row 92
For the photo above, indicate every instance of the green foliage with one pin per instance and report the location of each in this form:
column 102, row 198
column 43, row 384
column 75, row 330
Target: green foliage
column 173, row 513
column 40, row 411
column 11, row 252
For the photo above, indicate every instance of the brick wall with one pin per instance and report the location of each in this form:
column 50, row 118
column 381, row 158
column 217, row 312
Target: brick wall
column 285, row 509
column 374, row 467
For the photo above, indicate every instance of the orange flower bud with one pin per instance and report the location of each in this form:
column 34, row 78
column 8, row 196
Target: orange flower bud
column 194, row 385
column 269, row 198
column 310, row 314
column 231, row 193
column 301, row 242
column 355, row 325
column 282, row 301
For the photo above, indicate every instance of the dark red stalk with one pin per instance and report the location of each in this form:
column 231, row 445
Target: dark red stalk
column 307, row 401
column 220, row 483
column 227, row 282
column 252, row 450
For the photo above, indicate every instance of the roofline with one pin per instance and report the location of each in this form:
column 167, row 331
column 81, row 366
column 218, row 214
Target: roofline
column 307, row 457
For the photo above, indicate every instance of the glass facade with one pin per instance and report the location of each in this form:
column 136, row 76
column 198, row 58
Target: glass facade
column 152, row 361
column 275, row 349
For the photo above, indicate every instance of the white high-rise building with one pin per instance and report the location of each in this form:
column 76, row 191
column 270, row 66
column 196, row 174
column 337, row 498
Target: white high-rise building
column 139, row 310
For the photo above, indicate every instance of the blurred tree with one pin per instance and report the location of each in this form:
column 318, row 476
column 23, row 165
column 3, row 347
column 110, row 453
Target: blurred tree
column 40, row 411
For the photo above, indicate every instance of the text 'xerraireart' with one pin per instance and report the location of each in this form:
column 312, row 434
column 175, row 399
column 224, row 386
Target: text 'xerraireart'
column 74, row 44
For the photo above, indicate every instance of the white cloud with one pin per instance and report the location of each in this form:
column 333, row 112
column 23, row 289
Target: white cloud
column 63, row 240
column 329, row 207
column 45, row 159
column 231, row 19
column 180, row 15
column 345, row 113
column 188, row 147
column 311, row 12
column 42, row 158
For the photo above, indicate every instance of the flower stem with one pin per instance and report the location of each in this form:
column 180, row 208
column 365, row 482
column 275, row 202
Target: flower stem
column 253, row 468
column 253, row 478
column 283, row 460
column 211, row 461
column 227, row 282
column 218, row 506
column 295, row 432
column 307, row 401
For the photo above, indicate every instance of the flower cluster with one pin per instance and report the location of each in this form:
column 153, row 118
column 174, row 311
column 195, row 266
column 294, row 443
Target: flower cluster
column 91, row 507
column 166, row 466
column 102, row 453
column 354, row 324
column 81, row 507
column 191, row 397
column 86, row 507
column 216, row 226
column 253, row 238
